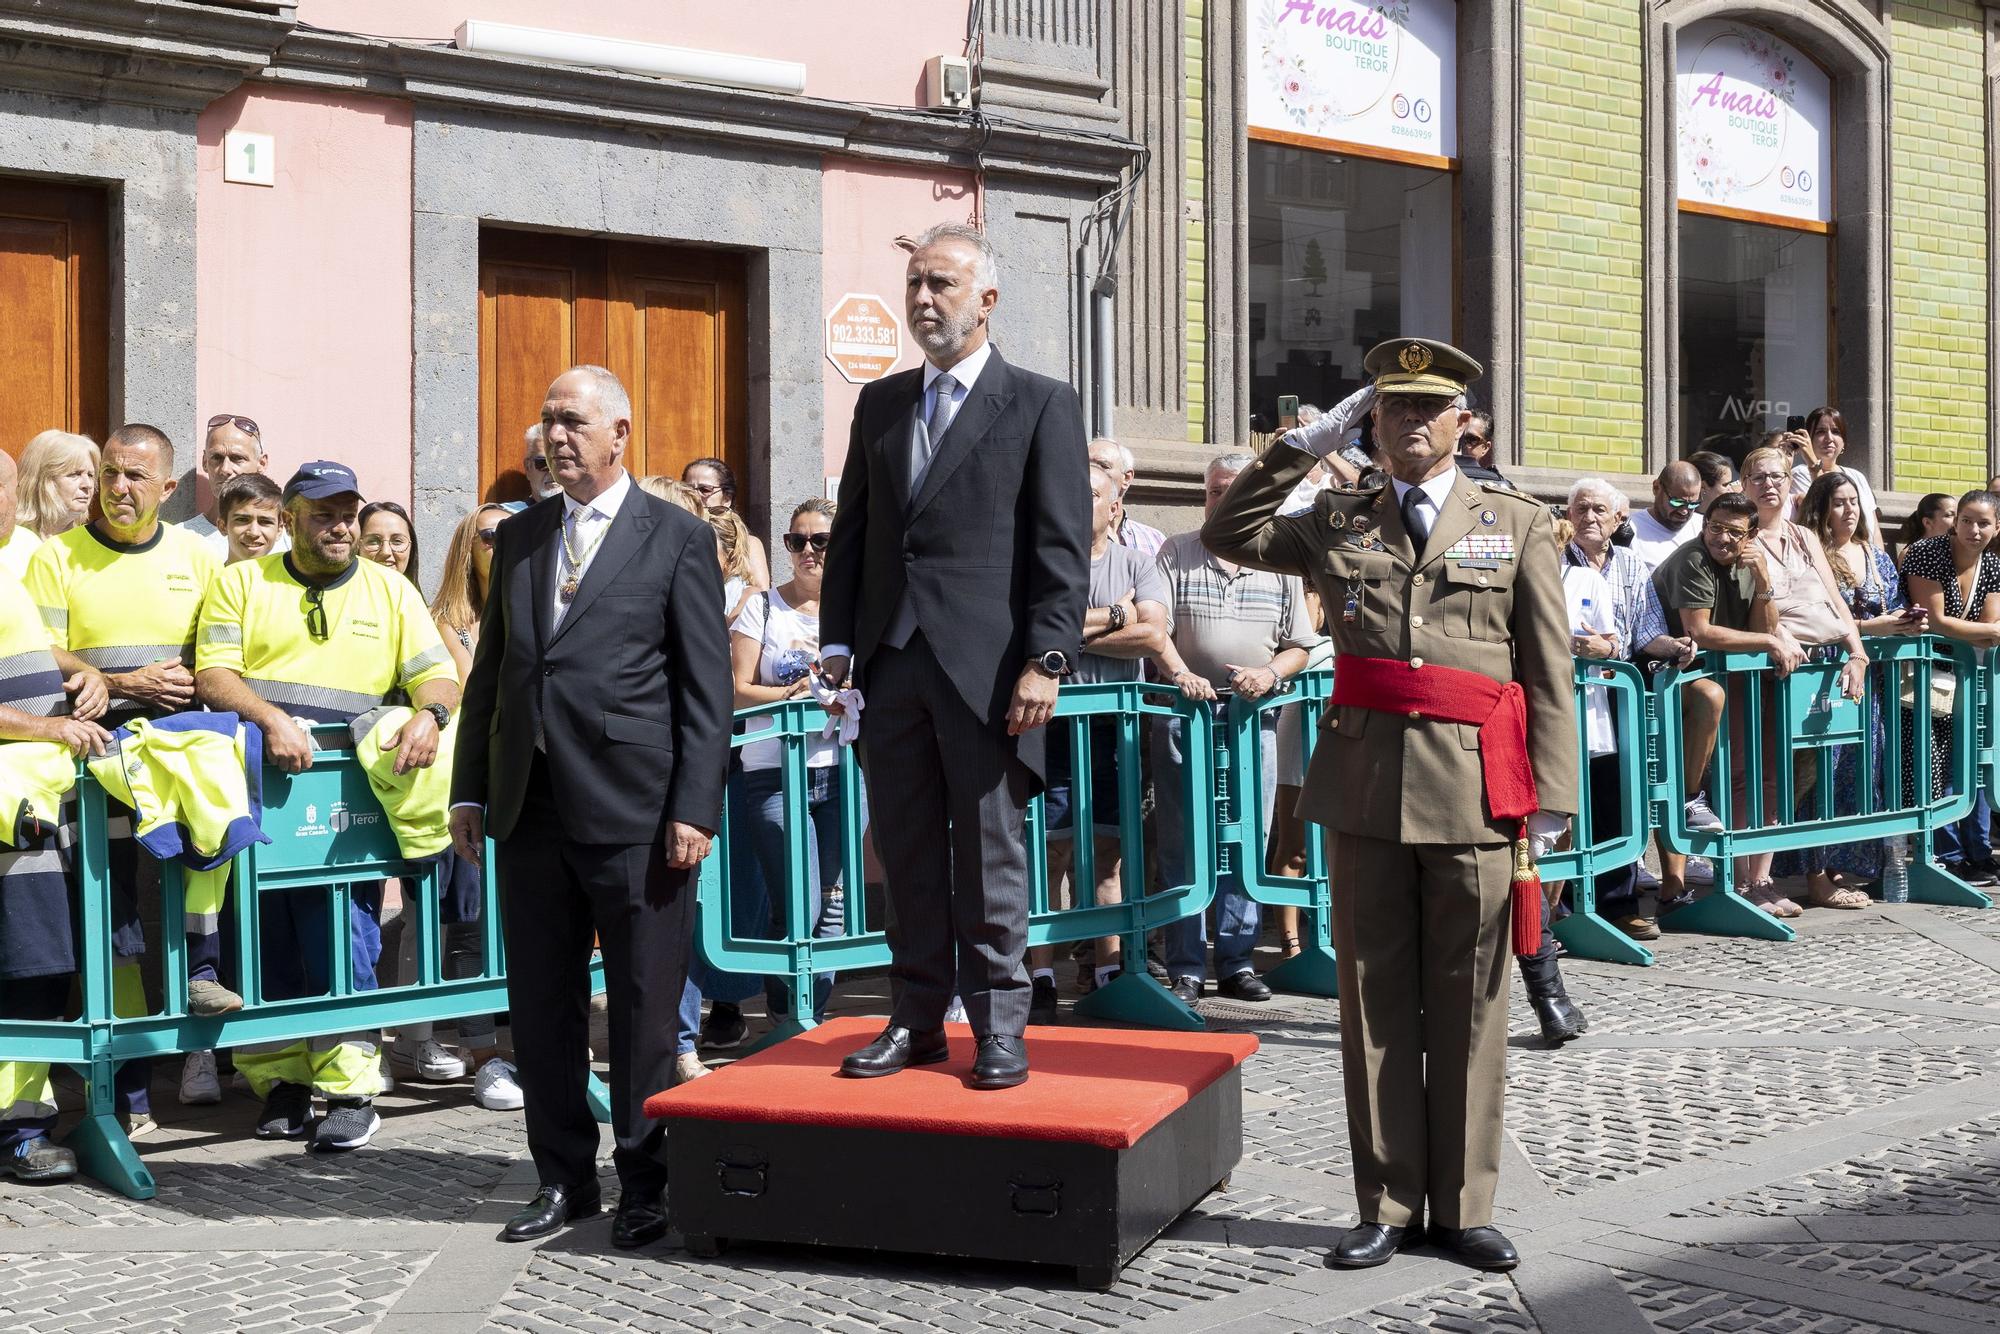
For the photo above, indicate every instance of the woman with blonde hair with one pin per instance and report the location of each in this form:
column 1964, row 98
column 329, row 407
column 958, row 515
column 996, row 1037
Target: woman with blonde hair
column 735, row 548
column 461, row 595
column 58, row 480
column 662, row 487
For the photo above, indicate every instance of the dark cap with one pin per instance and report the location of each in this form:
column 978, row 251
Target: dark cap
column 321, row 479
column 1420, row 366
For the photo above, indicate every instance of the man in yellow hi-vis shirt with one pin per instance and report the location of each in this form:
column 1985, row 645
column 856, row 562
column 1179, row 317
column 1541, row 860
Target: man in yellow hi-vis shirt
column 317, row 636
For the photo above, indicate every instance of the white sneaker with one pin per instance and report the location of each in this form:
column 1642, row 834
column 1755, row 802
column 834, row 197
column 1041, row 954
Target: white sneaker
column 199, row 1086
column 955, row 1012
column 1700, row 871
column 494, row 1088
column 428, row 1060
column 382, row 1068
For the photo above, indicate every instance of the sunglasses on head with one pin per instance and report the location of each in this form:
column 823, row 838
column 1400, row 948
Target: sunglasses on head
column 243, row 424
column 796, row 542
column 316, row 612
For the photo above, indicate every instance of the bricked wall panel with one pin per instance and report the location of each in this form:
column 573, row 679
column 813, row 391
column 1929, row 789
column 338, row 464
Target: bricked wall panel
column 1939, row 245
column 1583, row 248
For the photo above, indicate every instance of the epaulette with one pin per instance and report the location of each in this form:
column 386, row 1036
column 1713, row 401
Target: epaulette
column 1504, row 489
column 1365, row 487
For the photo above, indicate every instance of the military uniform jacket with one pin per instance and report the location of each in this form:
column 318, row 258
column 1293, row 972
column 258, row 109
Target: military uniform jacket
column 1487, row 597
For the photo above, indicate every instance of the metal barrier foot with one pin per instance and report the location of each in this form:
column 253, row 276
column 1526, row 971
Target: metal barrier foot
column 1310, row 972
column 104, row 1152
column 1137, row 998
column 1727, row 913
column 1931, row 883
column 1588, row 936
column 787, row 1027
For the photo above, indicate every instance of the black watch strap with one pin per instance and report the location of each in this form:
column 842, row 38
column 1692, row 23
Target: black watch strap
column 440, row 713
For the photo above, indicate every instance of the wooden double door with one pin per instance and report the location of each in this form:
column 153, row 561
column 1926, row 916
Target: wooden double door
column 669, row 321
column 55, row 271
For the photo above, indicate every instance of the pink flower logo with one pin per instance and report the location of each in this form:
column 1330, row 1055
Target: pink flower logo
column 1293, row 86
column 1778, row 74
column 1702, row 162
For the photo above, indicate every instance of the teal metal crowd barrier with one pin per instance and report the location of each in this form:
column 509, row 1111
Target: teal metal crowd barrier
column 790, row 944
column 1811, row 731
column 1243, row 838
column 328, row 835
column 1602, row 841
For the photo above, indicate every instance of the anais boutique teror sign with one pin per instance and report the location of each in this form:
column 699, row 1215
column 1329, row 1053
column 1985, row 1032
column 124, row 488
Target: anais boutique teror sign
column 1373, row 73
column 1754, row 124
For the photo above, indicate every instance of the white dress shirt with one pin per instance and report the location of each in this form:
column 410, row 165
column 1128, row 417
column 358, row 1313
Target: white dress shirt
column 1436, row 490
column 584, row 526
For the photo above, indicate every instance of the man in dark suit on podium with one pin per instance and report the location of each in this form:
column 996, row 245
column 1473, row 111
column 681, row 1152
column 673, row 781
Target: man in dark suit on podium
column 956, row 579
column 592, row 748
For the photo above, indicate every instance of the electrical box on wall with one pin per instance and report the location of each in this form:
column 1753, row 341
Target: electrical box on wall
column 947, row 82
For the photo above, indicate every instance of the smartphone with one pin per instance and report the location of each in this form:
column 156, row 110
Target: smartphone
column 1288, row 411
column 1795, row 423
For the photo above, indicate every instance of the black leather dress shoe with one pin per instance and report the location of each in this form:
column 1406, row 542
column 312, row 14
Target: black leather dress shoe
column 896, row 1048
column 1002, row 1062
column 1480, row 1247
column 552, row 1207
column 1372, row 1244
column 640, row 1219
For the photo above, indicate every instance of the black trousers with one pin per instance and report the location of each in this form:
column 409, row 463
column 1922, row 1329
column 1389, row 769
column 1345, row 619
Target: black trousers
column 951, row 802
column 556, row 894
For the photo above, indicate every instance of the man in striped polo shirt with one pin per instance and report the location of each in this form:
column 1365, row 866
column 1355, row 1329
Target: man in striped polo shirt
column 314, row 636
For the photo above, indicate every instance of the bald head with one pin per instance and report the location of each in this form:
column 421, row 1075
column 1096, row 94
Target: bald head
column 586, row 421
column 1676, row 493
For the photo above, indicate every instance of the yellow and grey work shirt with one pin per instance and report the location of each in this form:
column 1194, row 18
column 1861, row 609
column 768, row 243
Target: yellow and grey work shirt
column 324, row 653
column 29, row 678
column 121, row 606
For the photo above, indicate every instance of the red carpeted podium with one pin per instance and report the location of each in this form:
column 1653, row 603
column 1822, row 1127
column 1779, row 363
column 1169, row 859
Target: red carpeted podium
column 1114, row 1136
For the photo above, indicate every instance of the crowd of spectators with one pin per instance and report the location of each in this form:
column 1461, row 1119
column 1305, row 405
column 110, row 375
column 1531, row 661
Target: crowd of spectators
column 1786, row 556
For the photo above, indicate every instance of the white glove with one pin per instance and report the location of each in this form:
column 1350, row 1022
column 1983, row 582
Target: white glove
column 844, row 726
column 1324, row 435
column 1545, row 830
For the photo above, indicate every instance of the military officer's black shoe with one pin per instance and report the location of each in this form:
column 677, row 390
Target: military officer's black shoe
column 1002, row 1062
column 640, row 1220
column 1373, row 1244
column 896, row 1048
column 1480, row 1247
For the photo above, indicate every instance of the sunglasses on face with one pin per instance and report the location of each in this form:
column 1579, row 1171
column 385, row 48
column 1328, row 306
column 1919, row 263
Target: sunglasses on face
column 1468, row 440
column 243, row 424
column 796, row 542
column 539, row 462
column 1675, row 503
column 486, row 535
column 706, row 488
column 316, row 613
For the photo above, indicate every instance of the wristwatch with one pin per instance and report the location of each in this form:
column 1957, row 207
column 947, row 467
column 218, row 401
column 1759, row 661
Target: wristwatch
column 1055, row 663
column 441, row 713
column 1116, row 611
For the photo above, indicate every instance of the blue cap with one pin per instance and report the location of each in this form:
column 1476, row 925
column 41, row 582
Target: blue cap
column 320, row 479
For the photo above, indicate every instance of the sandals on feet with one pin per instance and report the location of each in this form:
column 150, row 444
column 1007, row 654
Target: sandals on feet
column 1836, row 896
column 1291, row 947
column 1764, row 894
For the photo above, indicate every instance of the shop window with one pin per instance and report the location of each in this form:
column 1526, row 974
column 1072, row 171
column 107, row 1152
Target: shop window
column 1345, row 252
column 1754, row 330
column 1754, row 178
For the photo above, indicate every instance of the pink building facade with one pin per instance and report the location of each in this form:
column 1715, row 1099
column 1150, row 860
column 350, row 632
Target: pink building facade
column 333, row 289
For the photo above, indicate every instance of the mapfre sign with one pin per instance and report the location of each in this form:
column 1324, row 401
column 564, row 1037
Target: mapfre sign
column 864, row 338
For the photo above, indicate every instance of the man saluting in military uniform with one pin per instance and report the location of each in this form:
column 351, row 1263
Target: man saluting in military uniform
column 1446, row 608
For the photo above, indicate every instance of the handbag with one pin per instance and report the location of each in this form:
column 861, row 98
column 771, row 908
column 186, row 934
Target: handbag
column 1944, row 693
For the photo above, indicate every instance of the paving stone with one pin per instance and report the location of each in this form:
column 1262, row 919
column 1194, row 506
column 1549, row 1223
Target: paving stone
column 1951, row 1172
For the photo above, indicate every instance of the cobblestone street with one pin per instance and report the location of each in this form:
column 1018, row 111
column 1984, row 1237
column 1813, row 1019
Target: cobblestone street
column 1754, row 1137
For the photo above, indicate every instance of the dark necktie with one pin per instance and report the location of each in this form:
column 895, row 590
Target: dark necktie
column 1415, row 521
column 934, row 426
